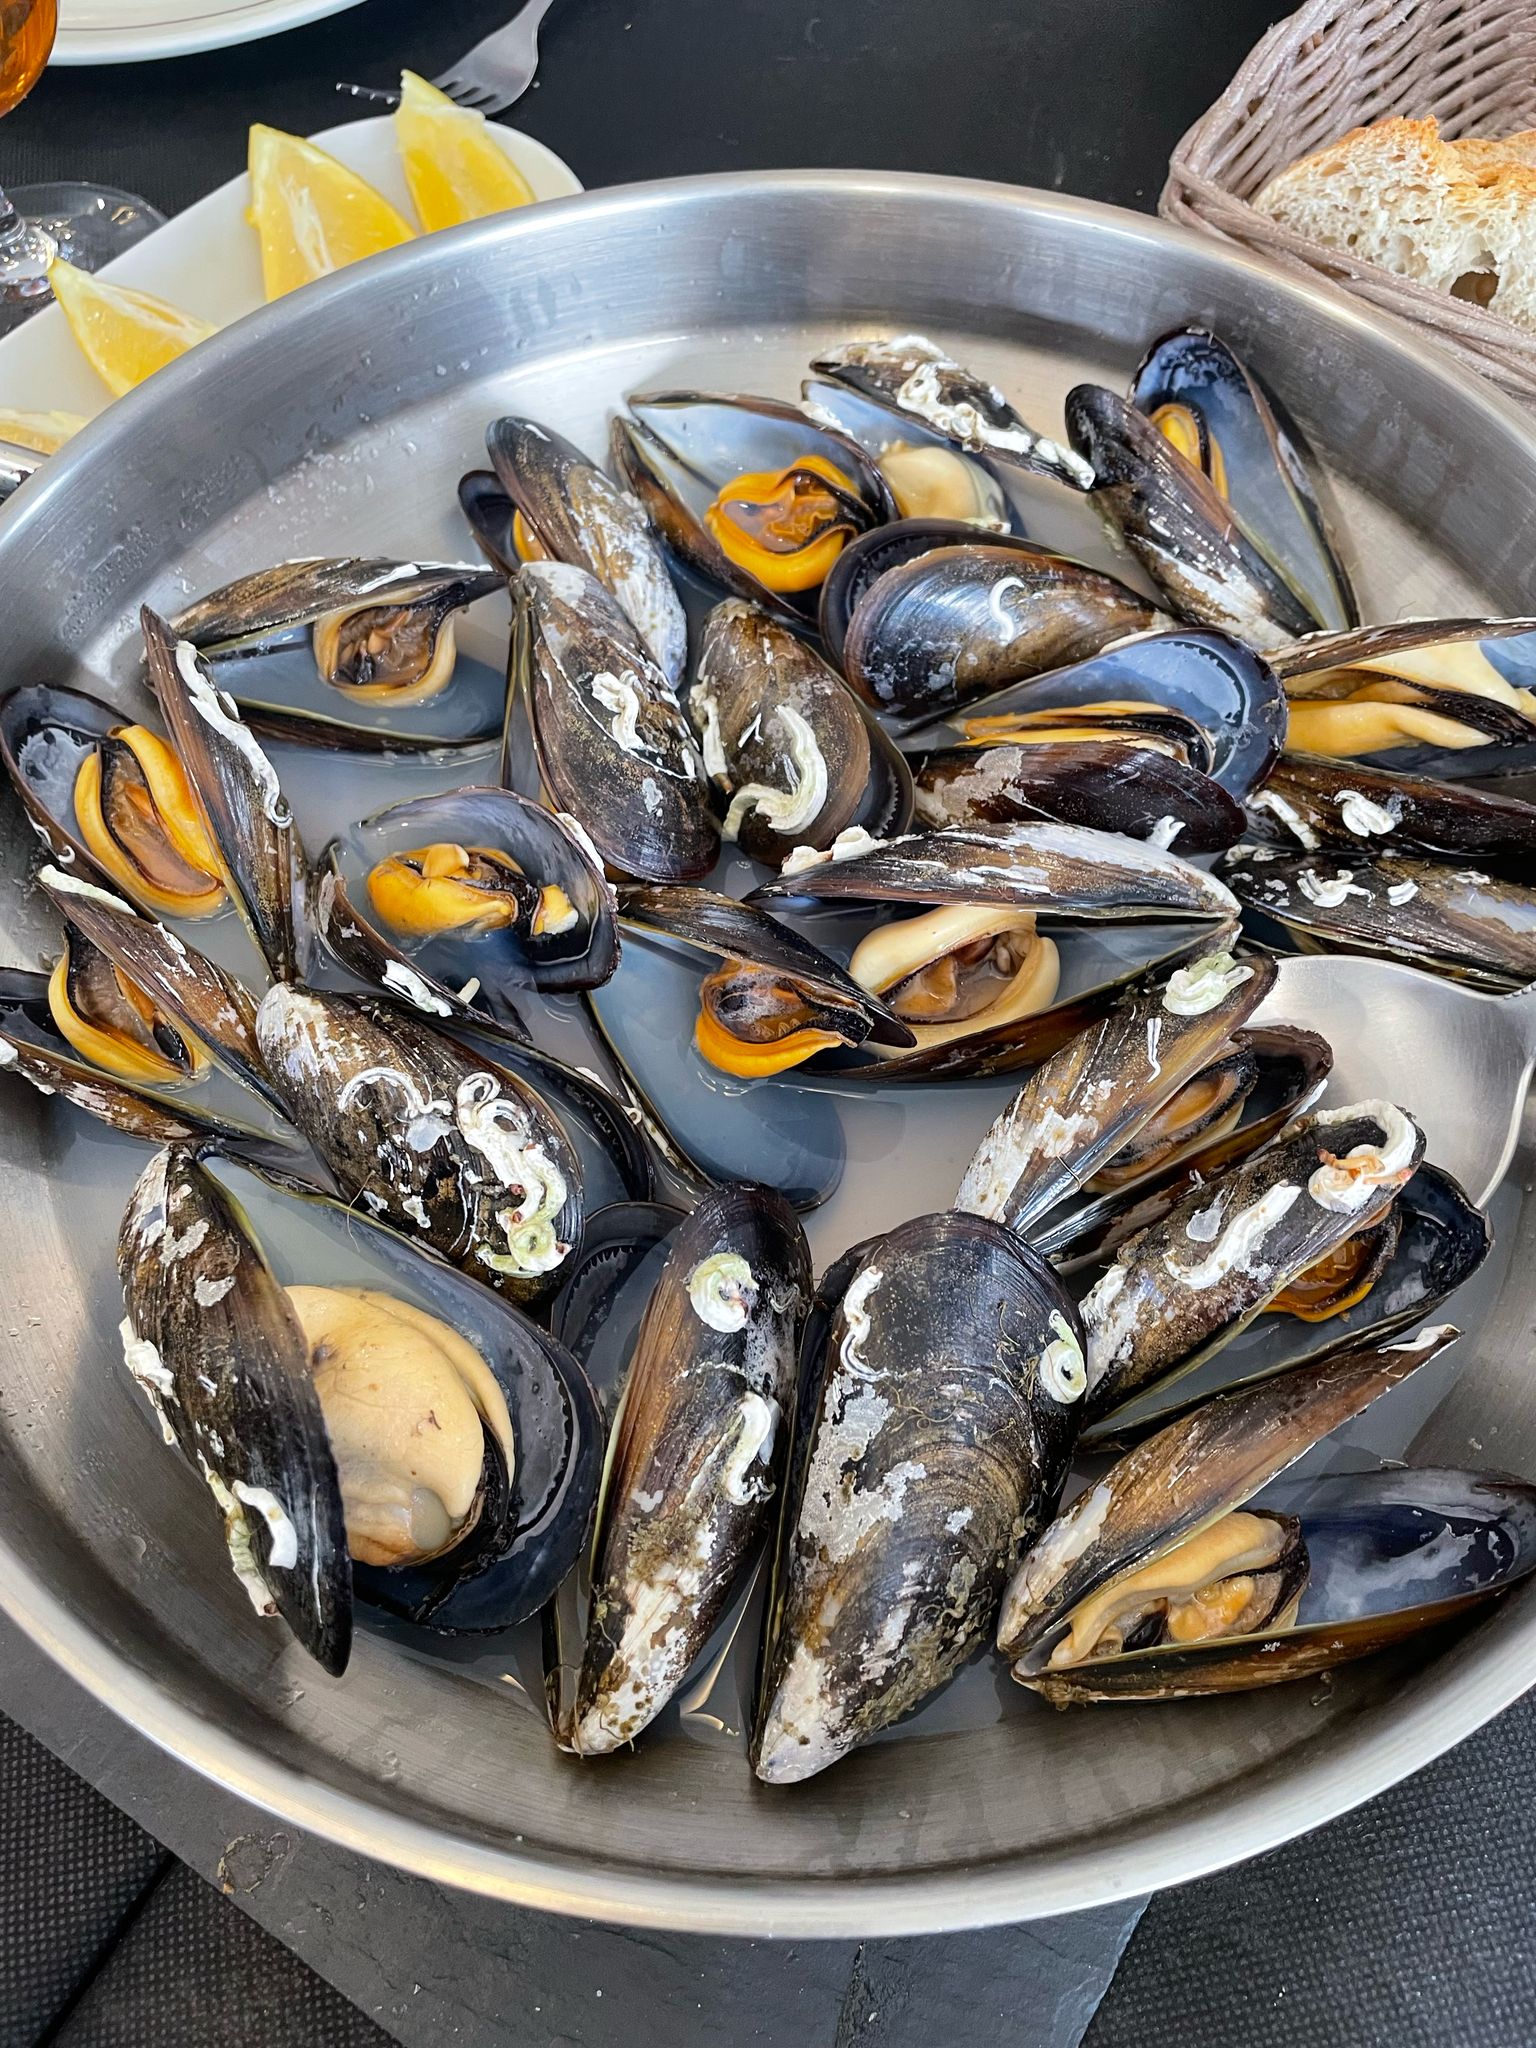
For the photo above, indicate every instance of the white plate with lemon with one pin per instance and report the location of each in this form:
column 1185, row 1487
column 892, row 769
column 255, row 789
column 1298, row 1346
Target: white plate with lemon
column 129, row 31
column 304, row 210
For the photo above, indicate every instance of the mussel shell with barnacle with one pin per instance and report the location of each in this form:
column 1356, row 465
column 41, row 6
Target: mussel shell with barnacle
column 941, row 1384
column 749, row 493
column 1312, row 803
column 350, row 653
column 973, row 977
column 297, row 1363
column 1184, row 1571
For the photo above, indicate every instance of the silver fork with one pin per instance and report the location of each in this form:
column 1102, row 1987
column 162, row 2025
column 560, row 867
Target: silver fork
column 491, row 76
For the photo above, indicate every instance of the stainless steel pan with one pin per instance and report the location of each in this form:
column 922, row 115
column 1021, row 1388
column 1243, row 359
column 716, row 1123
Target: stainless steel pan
column 341, row 420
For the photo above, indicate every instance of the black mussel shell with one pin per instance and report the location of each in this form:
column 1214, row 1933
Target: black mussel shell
column 575, row 514
column 907, row 1509
column 489, row 511
column 961, row 622
column 1107, row 785
column 1455, row 921
column 1442, row 1240
column 1186, row 1285
column 1088, row 1100
column 1194, row 389
column 866, row 559
column 1186, row 1478
column 1311, row 802
column 1179, row 527
column 252, row 614
column 614, row 750
column 676, row 449
column 576, row 949
column 444, row 1145
column 929, row 477
column 697, row 1454
column 1203, row 682
column 796, row 757
column 920, row 382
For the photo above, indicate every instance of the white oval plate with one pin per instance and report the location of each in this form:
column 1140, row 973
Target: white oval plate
column 133, row 31
column 206, row 260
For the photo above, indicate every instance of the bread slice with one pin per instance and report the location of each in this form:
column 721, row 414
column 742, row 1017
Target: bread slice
column 1460, row 218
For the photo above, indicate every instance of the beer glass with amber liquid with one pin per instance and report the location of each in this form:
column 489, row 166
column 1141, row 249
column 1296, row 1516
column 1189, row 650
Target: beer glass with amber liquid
column 88, row 224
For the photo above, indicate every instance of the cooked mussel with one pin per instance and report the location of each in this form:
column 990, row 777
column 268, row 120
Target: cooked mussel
column 1220, row 418
column 794, row 754
column 113, row 794
column 1311, row 802
column 941, row 1388
column 1110, row 785
column 1168, row 1577
column 697, row 1455
column 113, row 1023
column 920, row 382
column 748, row 492
column 1183, row 1287
column 929, row 477
column 369, row 1420
column 566, row 510
column 442, row 1145
column 1179, row 527
column 953, row 623
column 1431, row 691
column 443, row 897
column 868, row 558
column 1455, row 921
column 1111, row 1086
column 613, row 748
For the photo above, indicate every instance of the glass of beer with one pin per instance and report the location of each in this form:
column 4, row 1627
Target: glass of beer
column 89, row 224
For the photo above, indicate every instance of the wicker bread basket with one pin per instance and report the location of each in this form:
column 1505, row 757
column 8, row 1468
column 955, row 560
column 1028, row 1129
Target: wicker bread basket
column 1339, row 64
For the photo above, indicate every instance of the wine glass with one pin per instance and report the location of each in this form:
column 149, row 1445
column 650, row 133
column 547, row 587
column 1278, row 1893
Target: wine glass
column 87, row 224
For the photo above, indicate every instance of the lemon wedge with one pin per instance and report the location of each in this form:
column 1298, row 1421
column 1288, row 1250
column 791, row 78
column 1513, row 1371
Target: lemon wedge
column 43, row 432
column 126, row 335
column 454, row 165
column 312, row 214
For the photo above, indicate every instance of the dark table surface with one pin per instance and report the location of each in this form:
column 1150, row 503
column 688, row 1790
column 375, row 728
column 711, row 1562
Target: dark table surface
column 1408, row 1921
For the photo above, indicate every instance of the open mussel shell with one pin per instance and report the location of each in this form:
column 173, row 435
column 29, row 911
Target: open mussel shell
column 109, row 794
column 1186, row 1285
column 33, row 1047
column 250, row 819
column 1179, row 527
column 1090, row 1099
column 715, row 1119
column 613, row 748
column 571, row 512
column 1310, row 802
column 443, row 1145
column 1174, row 688
column 697, row 1455
column 1219, row 416
column 1444, row 696
column 1107, row 785
column 345, row 644
column 866, row 559
column 795, row 756
column 954, row 623
column 186, row 988
column 678, row 451
column 938, row 1425
column 929, row 477
column 1175, row 1490
column 1285, row 1069
column 219, row 1346
column 1438, row 1241
column 918, row 381
column 1460, row 922
column 476, row 886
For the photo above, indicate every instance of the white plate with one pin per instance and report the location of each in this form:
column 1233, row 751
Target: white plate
column 207, row 261
column 130, row 31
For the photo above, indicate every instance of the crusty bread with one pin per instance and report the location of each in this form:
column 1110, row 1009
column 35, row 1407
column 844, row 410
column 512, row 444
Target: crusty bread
column 1458, row 217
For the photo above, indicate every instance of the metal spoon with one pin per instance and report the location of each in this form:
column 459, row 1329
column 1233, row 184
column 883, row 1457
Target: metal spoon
column 1459, row 1060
